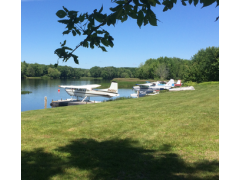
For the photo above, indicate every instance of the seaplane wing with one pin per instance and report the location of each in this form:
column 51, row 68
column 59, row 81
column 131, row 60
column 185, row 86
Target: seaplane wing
column 90, row 86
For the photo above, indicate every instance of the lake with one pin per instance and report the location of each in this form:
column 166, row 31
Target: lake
column 49, row 88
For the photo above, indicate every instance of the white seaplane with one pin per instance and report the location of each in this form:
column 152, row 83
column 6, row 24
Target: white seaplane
column 87, row 91
column 154, row 86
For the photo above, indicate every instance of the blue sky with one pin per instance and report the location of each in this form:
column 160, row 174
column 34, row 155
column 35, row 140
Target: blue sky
column 181, row 33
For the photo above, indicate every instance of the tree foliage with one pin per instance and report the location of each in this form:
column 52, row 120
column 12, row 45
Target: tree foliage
column 63, row 72
column 88, row 25
column 204, row 66
column 54, row 73
column 162, row 71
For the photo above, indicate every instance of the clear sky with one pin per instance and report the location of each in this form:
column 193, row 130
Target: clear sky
column 181, row 33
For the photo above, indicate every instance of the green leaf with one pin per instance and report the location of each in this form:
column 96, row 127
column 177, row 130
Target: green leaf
column 104, row 42
column 133, row 14
column 116, row 8
column 119, row 13
column 77, row 31
column 101, row 9
column 157, row 1
column 72, row 13
column 190, row 2
column 92, row 45
column 85, row 44
column 120, row 2
column 125, row 17
column 183, row 3
column 140, row 18
column 61, row 14
column 98, row 18
column 99, row 32
column 195, row 2
column 128, row 7
column 145, row 21
column 152, row 21
column 103, row 48
column 66, row 32
column 75, row 58
column 165, row 8
column 207, row 2
column 64, row 21
column 65, row 9
column 63, row 43
column 136, row 2
column 81, row 18
column 74, row 33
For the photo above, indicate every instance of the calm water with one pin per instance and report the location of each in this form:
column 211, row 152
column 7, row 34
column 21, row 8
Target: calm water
column 49, row 87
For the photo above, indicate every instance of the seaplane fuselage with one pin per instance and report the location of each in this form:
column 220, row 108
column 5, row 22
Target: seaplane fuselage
column 90, row 93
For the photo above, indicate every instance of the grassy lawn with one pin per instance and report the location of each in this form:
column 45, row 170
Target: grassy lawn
column 172, row 135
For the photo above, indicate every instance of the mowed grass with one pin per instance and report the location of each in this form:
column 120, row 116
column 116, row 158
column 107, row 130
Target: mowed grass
column 173, row 135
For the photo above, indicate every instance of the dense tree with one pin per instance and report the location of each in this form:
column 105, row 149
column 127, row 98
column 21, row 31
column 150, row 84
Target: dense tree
column 205, row 65
column 109, row 72
column 162, row 71
column 38, row 70
column 23, row 69
column 54, row 73
column 30, row 70
column 95, row 71
column 91, row 25
column 124, row 75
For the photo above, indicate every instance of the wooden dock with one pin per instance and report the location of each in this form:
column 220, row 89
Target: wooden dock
column 70, row 102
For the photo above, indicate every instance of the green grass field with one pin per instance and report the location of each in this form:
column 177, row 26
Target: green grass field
column 172, row 135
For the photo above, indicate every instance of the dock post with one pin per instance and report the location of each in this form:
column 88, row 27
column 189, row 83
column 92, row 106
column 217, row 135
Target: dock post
column 45, row 102
column 137, row 94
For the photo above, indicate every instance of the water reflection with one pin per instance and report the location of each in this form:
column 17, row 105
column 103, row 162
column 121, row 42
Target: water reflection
column 49, row 87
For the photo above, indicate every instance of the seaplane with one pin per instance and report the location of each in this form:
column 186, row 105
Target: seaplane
column 87, row 91
column 154, row 86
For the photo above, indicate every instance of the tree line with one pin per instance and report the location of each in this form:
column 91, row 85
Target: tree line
column 203, row 66
column 41, row 70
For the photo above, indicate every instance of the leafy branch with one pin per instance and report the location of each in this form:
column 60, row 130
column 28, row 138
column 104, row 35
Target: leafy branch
column 85, row 24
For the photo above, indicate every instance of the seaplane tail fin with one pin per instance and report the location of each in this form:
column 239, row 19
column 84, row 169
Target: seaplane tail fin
column 113, row 87
column 178, row 82
column 171, row 82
